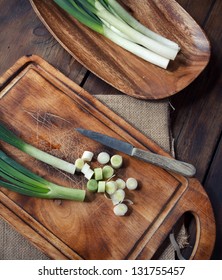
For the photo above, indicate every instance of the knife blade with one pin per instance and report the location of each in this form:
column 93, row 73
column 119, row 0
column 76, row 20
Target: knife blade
column 170, row 164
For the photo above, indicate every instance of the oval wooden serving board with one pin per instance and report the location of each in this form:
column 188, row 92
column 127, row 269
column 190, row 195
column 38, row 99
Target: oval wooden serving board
column 123, row 70
column 43, row 107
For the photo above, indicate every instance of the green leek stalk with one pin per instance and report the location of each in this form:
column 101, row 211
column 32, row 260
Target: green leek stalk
column 9, row 137
column 81, row 10
column 128, row 18
column 19, row 179
column 97, row 8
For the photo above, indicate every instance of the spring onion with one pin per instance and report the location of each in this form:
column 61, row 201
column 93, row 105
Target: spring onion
column 21, row 180
column 108, row 172
column 87, row 156
column 138, row 37
column 103, row 19
column 89, row 173
column 98, row 173
column 128, row 18
column 85, row 168
column 111, row 187
column 92, row 185
column 120, row 183
column 101, row 186
column 116, row 161
column 120, row 209
column 9, row 137
column 131, row 183
column 103, row 158
column 79, row 163
column 118, row 196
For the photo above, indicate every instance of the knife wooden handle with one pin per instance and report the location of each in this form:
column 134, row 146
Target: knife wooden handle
column 170, row 164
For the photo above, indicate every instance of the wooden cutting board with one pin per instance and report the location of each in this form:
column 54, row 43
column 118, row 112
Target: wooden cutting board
column 43, row 107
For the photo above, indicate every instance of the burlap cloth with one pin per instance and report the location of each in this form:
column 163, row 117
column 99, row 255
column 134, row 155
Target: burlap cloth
column 150, row 117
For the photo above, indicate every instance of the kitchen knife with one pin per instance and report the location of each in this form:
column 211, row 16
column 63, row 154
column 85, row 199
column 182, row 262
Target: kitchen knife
column 170, row 164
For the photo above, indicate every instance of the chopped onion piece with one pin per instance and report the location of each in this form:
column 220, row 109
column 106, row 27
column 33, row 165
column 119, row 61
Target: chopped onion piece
column 116, row 161
column 111, row 187
column 101, row 186
column 108, row 172
column 103, row 158
column 118, row 196
column 98, row 173
column 131, row 183
column 89, row 173
column 120, row 184
column 87, row 156
column 120, row 209
column 85, row 168
column 92, row 185
column 79, row 164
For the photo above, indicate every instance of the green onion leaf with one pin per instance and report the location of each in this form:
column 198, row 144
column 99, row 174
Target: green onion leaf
column 128, row 18
column 80, row 16
column 103, row 18
column 9, row 137
column 19, row 179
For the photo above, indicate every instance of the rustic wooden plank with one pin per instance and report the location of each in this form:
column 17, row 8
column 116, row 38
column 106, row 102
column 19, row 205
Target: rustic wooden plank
column 213, row 185
column 29, row 36
column 95, row 85
column 197, row 121
column 197, row 134
column 198, row 9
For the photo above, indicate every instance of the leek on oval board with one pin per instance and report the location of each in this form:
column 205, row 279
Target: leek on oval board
column 106, row 18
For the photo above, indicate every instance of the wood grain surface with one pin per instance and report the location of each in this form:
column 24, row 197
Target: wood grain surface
column 123, row 70
column 196, row 120
column 48, row 107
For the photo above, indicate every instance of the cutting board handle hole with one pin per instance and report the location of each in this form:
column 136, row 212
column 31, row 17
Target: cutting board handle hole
column 185, row 234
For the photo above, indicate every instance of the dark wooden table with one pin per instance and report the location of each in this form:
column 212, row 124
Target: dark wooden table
column 197, row 118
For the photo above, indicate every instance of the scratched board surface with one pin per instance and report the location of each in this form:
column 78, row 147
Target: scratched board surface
column 43, row 107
